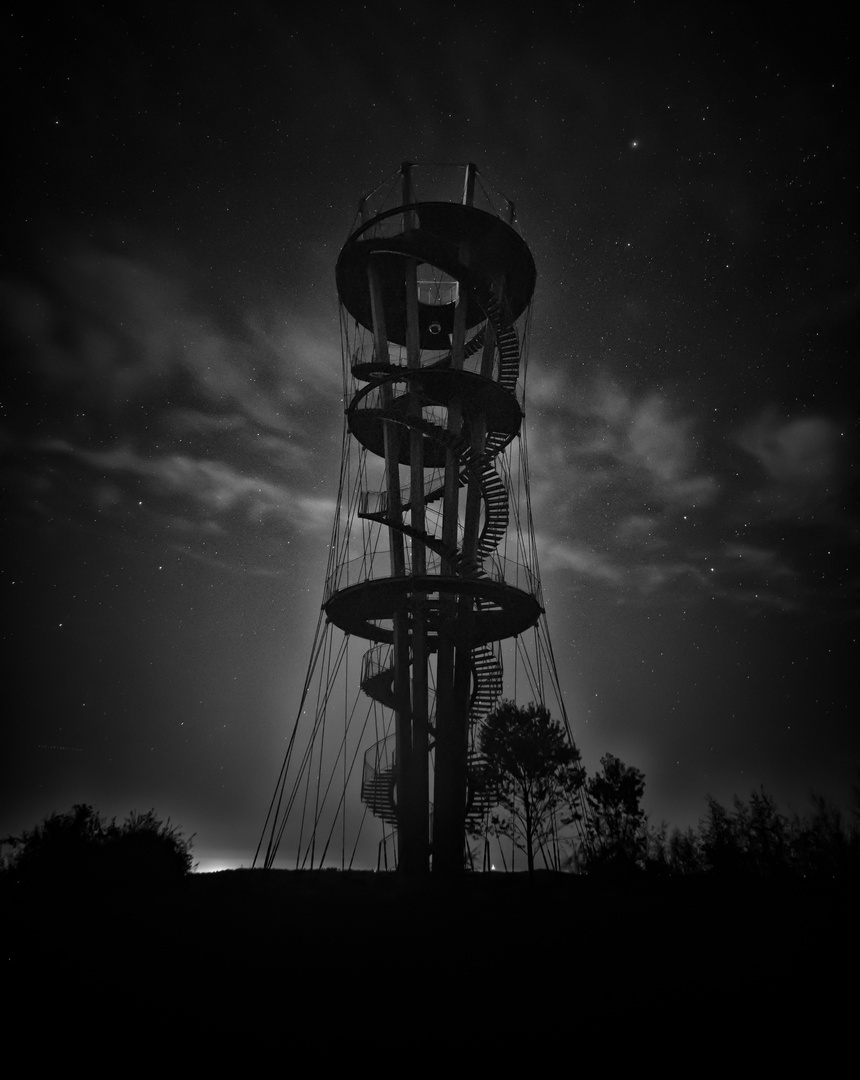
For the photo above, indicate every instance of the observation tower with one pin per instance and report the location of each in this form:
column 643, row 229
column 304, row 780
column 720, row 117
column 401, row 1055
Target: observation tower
column 432, row 564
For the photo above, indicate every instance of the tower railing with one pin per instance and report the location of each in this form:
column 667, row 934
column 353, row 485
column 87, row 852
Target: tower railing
column 376, row 567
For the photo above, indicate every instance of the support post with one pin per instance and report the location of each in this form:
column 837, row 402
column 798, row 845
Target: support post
column 418, row 797
column 408, row 841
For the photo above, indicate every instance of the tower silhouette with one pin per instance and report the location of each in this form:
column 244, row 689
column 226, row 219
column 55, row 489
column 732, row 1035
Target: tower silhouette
column 432, row 563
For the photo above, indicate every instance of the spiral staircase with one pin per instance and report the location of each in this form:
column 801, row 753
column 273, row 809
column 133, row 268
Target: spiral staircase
column 379, row 777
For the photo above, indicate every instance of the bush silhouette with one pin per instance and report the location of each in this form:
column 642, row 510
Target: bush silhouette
column 146, row 848
column 79, row 847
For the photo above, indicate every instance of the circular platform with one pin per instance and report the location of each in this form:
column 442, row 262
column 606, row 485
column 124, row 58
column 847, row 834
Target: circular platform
column 367, row 609
column 432, row 387
column 471, row 246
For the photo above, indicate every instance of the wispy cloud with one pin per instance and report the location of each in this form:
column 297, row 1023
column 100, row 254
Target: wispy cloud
column 650, row 437
column 599, row 445
column 625, row 498
column 147, row 389
column 800, row 464
column 583, row 561
column 217, row 489
column 113, row 331
column 640, row 531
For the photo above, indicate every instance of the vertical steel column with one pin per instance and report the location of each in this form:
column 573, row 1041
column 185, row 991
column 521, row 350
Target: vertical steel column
column 417, row 799
column 454, row 667
column 408, row 856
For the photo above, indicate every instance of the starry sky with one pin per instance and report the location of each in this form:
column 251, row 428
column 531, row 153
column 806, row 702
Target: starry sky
column 183, row 180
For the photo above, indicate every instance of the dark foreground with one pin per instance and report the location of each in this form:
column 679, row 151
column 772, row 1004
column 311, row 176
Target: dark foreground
column 499, row 953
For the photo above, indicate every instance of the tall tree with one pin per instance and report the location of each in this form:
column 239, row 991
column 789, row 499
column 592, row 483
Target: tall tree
column 616, row 820
column 535, row 770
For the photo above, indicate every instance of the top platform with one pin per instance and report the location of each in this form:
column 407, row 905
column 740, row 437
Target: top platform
column 471, row 246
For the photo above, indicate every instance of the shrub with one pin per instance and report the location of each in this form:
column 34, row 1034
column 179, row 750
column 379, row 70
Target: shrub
column 79, row 847
column 145, row 847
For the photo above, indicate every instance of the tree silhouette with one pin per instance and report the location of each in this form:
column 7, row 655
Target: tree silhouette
column 756, row 839
column 722, row 844
column 79, row 847
column 144, row 848
column 535, row 771
column 617, row 822
column 685, row 852
column 823, row 844
column 64, row 847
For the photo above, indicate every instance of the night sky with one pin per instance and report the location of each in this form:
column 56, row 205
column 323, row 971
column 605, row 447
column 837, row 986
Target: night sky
column 183, row 180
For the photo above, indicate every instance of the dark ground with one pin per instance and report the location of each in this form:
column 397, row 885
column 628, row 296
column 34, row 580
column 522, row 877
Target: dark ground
column 495, row 954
